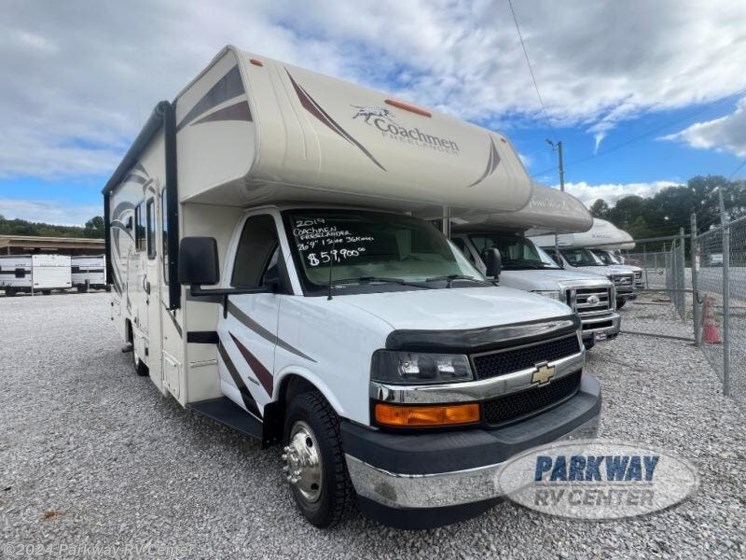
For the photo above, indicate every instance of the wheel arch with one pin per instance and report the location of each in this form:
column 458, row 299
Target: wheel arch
column 288, row 385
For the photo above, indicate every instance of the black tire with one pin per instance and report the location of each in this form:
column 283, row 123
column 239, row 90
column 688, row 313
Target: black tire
column 108, row 287
column 620, row 303
column 589, row 343
column 47, row 292
column 140, row 368
column 337, row 495
column 9, row 292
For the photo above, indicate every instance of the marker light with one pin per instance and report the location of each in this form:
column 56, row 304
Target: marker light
column 413, row 416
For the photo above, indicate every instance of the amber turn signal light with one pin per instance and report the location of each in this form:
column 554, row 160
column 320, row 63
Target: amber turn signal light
column 412, row 416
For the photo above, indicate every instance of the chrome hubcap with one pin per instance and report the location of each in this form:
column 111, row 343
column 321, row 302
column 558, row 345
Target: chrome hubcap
column 303, row 462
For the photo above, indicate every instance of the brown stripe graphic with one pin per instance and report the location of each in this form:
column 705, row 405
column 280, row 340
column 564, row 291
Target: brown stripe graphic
column 262, row 373
column 493, row 161
column 227, row 87
column 310, row 105
column 238, row 112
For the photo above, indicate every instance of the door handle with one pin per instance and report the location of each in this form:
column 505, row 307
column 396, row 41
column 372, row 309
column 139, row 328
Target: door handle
column 145, row 285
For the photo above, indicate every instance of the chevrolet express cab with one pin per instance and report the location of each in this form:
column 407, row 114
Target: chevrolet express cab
column 275, row 269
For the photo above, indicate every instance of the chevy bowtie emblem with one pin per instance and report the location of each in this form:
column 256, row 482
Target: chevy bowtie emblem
column 543, row 374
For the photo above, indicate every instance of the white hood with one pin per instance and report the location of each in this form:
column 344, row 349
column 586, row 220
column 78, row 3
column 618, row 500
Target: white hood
column 547, row 279
column 457, row 308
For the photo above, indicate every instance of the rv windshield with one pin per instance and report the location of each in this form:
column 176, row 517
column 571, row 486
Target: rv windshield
column 581, row 257
column 518, row 253
column 374, row 251
column 607, row 257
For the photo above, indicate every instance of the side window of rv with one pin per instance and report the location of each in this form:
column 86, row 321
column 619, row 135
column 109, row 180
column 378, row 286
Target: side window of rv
column 256, row 249
column 150, row 212
column 164, row 234
column 139, row 227
column 460, row 243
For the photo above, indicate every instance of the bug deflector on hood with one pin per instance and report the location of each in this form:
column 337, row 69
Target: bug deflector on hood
column 320, row 139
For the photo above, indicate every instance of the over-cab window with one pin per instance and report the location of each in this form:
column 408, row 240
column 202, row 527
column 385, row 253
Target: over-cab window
column 150, row 212
column 256, row 252
column 139, row 227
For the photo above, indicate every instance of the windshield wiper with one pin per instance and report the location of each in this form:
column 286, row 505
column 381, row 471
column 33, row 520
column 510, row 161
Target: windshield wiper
column 382, row 279
column 451, row 277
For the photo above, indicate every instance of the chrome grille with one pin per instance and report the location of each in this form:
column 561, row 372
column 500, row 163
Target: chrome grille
column 501, row 362
column 520, row 405
column 589, row 301
column 624, row 283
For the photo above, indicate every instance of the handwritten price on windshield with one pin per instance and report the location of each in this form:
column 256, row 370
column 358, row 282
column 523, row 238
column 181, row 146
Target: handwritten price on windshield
column 339, row 255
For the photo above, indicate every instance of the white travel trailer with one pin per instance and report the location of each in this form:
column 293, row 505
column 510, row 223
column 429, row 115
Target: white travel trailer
column 34, row 273
column 89, row 272
column 274, row 270
column 527, row 267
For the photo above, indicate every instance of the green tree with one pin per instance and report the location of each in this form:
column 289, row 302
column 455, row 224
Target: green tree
column 600, row 209
column 94, row 227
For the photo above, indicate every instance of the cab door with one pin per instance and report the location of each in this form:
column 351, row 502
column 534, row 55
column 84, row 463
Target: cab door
column 247, row 327
column 150, row 283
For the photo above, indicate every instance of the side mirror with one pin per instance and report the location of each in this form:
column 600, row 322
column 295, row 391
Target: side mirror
column 198, row 261
column 128, row 223
column 494, row 263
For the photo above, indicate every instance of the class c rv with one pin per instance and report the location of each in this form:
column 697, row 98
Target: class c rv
column 527, row 267
column 576, row 251
column 275, row 269
column 34, row 273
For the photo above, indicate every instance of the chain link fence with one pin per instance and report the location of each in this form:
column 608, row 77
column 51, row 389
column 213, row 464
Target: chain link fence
column 664, row 304
column 695, row 290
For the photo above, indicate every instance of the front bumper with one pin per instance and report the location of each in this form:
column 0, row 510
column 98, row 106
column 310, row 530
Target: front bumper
column 449, row 471
column 609, row 325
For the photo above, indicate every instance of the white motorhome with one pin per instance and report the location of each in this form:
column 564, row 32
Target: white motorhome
column 34, row 273
column 574, row 253
column 273, row 269
column 89, row 272
column 527, row 267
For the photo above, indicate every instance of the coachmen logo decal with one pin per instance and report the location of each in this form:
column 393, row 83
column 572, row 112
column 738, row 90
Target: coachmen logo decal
column 543, row 374
column 382, row 119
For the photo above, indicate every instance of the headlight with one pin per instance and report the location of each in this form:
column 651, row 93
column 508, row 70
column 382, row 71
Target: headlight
column 552, row 294
column 415, row 368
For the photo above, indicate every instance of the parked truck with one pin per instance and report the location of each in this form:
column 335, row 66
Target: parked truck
column 34, row 273
column 274, row 269
column 89, row 272
column 527, row 267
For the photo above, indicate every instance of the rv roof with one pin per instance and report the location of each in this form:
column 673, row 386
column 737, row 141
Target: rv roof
column 548, row 211
column 603, row 235
column 254, row 130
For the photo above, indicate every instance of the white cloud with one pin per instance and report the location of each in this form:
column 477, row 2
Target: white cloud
column 48, row 211
column 79, row 82
column 611, row 192
column 727, row 133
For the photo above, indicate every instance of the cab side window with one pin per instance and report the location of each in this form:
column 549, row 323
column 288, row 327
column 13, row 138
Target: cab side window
column 257, row 250
column 150, row 214
column 461, row 244
column 140, row 227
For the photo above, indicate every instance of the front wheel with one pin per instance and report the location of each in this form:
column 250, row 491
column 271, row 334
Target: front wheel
column 315, row 462
column 620, row 303
column 140, row 368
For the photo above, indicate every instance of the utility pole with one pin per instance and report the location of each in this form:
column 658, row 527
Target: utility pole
column 558, row 145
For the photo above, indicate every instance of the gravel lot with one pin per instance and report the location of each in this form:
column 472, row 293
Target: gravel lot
column 92, row 455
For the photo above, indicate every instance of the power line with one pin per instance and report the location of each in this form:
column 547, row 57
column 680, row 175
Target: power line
column 737, row 170
column 528, row 62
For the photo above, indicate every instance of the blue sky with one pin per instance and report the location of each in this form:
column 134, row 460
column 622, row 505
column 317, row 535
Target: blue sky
column 642, row 94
